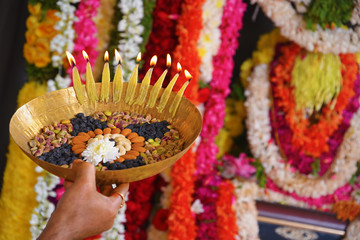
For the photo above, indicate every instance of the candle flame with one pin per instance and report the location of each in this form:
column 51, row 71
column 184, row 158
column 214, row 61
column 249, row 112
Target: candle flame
column 168, row 60
column 85, row 55
column 138, row 57
column 106, row 56
column 178, row 67
column 153, row 61
column 118, row 57
column 187, row 75
column 71, row 59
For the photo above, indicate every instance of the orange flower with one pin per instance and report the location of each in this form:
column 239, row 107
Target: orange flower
column 43, row 45
column 34, row 9
column 29, row 53
column 46, row 30
column 30, row 37
column 42, row 59
column 346, row 210
column 51, row 16
column 32, row 22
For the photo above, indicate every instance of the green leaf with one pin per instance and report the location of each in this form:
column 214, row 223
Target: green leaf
column 260, row 173
column 315, row 166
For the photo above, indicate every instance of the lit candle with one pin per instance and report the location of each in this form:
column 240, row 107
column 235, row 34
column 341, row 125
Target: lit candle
column 166, row 94
column 156, row 89
column 118, row 79
column 105, row 80
column 144, row 87
column 76, row 79
column 175, row 104
column 90, row 82
column 131, row 89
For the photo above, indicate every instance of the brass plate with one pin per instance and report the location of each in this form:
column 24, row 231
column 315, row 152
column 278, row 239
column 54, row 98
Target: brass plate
column 62, row 104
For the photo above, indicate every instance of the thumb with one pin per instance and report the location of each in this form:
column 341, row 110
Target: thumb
column 85, row 173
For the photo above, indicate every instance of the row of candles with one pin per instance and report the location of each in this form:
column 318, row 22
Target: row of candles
column 131, row 89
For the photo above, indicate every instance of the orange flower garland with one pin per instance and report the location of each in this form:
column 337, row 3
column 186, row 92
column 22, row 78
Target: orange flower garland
column 188, row 31
column 308, row 137
column 182, row 175
column 226, row 218
column 346, row 210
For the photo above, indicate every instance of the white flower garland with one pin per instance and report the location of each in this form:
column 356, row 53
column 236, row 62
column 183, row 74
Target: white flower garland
column 353, row 230
column 209, row 40
column 130, row 30
column 62, row 42
column 293, row 27
column 245, row 209
column 43, row 188
column 117, row 232
column 259, row 135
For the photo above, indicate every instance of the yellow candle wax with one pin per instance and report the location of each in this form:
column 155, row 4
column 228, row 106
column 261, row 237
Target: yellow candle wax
column 176, row 102
column 105, row 80
column 76, row 79
column 90, row 82
column 156, row 89
column 144, row 87
column 118, row 79
column 166, row 94
column 131, row 89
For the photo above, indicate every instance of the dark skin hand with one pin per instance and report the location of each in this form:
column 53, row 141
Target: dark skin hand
column 82, row 211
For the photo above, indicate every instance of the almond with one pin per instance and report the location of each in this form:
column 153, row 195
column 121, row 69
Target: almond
column 115, row 131
column 107, row 131
column 78, row 140
column 98, row 131
column 78, row 149
column 126, row 132
column 138, row 148
column 132, row 152
column 132, row 135
column 91, row 134
column 128, row 156
column 120, row 159
column 137, row 139
column 84, row 135
column 138, row 144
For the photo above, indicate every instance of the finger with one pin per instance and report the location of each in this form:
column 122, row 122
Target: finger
column 115, row 198
column 106, row 190
column 85, row 173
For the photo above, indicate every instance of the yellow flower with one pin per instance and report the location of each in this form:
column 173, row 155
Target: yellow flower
column 42, row 59
column 34, row 9
column 235, row 125
column 29, row 53
column 224, row 142
column 46, row 30
column 51, row 16
column 32, row 22
column 43, row 45
column 30, row 37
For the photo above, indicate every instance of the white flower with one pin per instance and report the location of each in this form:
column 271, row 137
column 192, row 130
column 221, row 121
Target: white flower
column 197, row 207
column 103, row 150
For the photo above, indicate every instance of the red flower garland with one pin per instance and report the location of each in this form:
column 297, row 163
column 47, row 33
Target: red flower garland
column 311, row 138
column 162, row 39
column 226, row 217
column 138, row 208
column 188, row 31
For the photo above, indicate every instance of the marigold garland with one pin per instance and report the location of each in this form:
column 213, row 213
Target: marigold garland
column 16, row 208
column 226, row 219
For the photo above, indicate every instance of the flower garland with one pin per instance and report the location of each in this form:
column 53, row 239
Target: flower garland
column 338, row 40
column 343, row 167
column 162, row 39
column 307, row 137
column 352, row 231
column 15, row 208
column 86, row 33
column 226, row 222
column 138, row 208
column 245, row 208
column 44, row 188
column 207, row 178
column 104, row 26
column 209, row 40
column 130, row 31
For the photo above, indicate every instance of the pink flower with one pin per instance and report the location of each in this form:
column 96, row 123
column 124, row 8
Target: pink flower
column 239, row 166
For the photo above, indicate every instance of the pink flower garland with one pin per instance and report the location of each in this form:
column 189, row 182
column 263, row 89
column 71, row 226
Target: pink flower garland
column 207, row 176
column 86, row 34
